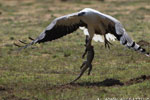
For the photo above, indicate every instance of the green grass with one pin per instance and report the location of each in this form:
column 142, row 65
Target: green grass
column 39, row 72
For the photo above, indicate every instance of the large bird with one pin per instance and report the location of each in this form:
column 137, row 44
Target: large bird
column 94, row 24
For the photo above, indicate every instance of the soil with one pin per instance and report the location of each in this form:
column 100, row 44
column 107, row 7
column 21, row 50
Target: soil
column 136, row 80
column 143, row 43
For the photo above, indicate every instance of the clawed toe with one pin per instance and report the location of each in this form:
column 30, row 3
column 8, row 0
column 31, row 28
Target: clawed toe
column 107, row 44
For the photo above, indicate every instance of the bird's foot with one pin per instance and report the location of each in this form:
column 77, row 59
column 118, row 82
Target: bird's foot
column 23, row 42
column 107, row 44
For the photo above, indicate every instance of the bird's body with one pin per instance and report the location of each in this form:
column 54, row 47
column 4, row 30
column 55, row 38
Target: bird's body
column 95, row 24
column 94, row 21
column 98, row 21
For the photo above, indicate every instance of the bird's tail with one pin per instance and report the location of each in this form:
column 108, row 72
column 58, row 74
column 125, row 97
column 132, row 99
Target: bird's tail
column 125, row 39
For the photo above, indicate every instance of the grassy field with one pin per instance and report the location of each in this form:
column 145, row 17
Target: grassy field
column 39, row 72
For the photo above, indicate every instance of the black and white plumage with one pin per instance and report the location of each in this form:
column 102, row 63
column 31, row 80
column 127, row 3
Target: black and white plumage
column 59, row 27
column 95, row 25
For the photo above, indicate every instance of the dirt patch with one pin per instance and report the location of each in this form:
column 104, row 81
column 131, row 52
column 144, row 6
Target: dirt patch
column 2, row 88
column 136, row 80
column 10, row 94
column 10, row 97
column 143, row 43
column 13, row 97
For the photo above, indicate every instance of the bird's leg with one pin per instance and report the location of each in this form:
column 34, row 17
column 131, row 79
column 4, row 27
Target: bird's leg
column 22, row 42
column 107, row 43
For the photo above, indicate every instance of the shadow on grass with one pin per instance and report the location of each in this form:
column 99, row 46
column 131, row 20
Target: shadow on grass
column 114, row 82
column 106, row 82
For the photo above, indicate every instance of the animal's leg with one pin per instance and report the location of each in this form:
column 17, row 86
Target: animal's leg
column 90, row 69
column 91, row 35
column 84, row 53
column 83, row 64
column 86, row 64
column 88, row 45
column 90, row 58
column 81, row 73
column 86, row 41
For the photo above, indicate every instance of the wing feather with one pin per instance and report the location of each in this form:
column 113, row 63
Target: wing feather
column 60, row 27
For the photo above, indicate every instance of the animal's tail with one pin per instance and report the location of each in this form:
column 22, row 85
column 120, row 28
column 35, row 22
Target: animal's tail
column 124, row 39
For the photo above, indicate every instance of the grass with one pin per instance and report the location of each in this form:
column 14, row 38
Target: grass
column 38, row 72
